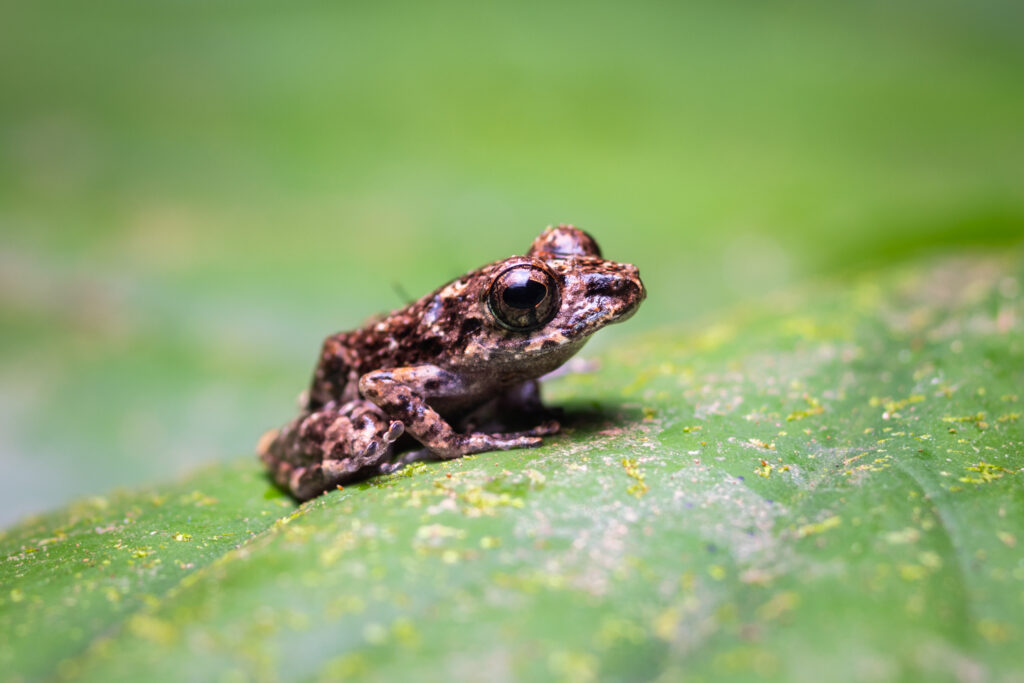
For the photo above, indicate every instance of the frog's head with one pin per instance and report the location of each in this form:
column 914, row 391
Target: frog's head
column 547, row 303
column 594, row 292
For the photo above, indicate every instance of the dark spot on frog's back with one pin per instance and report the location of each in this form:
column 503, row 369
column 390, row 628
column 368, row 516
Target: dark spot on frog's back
column 431, row 346
column 548, row 343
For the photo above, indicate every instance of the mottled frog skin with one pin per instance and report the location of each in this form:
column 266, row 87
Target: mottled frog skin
column 466, row 355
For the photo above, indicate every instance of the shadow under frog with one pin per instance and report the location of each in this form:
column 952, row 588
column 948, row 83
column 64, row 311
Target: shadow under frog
column 452, row 372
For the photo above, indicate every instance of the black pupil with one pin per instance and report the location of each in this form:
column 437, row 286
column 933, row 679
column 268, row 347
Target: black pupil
column 525, row 293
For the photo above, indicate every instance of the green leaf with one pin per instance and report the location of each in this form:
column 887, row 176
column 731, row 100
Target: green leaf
column 829, row 485
column 72, row 576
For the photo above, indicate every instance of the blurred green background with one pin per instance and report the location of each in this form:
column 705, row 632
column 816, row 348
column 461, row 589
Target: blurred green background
column 192, row 194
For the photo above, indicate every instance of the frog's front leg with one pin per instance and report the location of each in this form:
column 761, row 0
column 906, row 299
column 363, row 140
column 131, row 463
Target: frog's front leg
column 403, row 392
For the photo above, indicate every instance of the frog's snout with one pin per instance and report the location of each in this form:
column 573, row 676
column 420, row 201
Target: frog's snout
column 620, row 289
column 634, row 292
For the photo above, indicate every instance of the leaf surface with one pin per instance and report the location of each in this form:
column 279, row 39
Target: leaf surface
column 829, row 484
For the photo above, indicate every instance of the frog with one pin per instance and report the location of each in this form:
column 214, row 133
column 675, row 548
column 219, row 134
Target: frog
column 449, row 371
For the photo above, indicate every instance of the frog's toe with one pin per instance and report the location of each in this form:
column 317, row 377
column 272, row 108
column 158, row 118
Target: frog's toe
column 518, row 440
column 395, row 430
column 339, row 471
column 389, row 467
column 546, row 428
column 527, row 442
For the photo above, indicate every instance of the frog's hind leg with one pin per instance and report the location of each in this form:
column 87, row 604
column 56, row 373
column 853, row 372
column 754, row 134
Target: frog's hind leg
column 329, row 446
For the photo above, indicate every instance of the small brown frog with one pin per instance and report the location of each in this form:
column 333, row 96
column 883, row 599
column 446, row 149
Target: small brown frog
column 466, row 355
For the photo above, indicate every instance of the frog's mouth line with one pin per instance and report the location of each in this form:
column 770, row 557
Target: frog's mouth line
column 600, row 317
column 627, row 315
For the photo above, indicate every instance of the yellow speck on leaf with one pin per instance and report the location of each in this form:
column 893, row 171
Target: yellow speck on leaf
column 819, row 527
column 814, row 407
column 199, row 499
column 993, row 631
column 978, row 419
column 640, row 488
column 437, row 532
column 404, row 632
column 620, row 630
column 666, row 624
column 347, row 666
column 987, row 472
column 903, row 536
column 780, row 604
column 573, row 666
column 912, row 572
column 890, row 405
column 152, row 629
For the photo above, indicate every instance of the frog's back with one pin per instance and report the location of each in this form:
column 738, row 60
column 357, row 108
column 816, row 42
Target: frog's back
column 392, row 341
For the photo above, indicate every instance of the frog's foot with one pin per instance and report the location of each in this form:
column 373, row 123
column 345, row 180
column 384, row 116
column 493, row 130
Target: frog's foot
column 309, row 481
column 466, row 444
column 358, row 429
column 407, row 458
column 328, row 447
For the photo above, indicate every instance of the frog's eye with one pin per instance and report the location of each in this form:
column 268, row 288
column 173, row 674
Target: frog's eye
column 523, row 297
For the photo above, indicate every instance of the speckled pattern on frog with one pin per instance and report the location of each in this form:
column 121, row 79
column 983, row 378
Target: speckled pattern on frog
column 466, row 355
